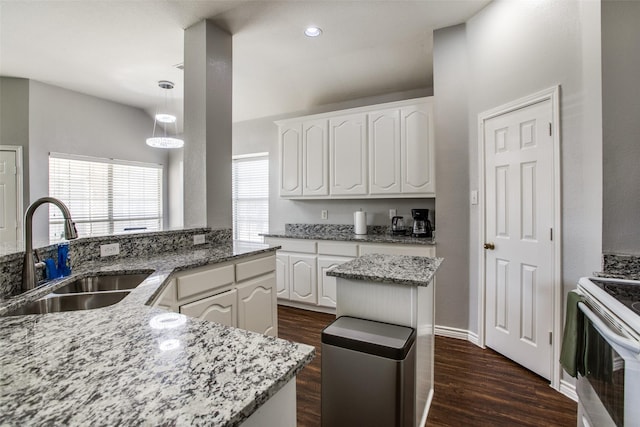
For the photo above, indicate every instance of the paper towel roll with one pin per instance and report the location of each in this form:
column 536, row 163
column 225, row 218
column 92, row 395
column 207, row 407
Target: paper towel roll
column 360, row 222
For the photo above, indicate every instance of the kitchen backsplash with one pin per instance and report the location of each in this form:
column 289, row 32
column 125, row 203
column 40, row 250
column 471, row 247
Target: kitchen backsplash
column 88, row 249
column 620, row 266
column 332, row 228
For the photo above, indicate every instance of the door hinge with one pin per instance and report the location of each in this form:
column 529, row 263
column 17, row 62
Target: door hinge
column 550, row 129
column 551, row 234
column 550, row 338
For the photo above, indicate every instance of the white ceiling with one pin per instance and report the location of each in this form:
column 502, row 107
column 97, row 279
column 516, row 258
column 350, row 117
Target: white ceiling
column 119, row 49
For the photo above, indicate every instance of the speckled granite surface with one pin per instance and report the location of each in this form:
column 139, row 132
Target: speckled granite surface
column 131, row 364
column 341, row 232
column 396, row 269
column 87, row 249
column 620, row 266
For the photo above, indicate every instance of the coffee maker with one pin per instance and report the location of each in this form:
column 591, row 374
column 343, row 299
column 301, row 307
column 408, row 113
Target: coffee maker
column 421, row 223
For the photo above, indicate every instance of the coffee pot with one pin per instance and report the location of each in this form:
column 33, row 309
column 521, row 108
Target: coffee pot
column 421, row 223
column 397, row 225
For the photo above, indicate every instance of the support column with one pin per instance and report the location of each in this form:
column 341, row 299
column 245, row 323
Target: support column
column 207, row 126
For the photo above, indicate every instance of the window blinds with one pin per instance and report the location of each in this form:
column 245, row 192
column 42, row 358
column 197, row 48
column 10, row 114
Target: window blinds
column 250, row 196
column 104, row 196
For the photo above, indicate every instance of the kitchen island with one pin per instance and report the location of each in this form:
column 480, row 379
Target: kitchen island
column 131, row 363
column 396, row 289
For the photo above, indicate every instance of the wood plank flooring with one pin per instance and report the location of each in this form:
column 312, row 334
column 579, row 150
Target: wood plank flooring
column 473, row 386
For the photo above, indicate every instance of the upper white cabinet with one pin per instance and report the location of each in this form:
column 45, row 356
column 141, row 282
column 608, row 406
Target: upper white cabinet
column 291, row 160
column 417, row 150
column 379, row 151
column 348, row 151
column 315, row 158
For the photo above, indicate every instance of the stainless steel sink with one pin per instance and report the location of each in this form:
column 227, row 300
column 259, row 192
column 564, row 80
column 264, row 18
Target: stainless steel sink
column 102, row 283
column 56, row 303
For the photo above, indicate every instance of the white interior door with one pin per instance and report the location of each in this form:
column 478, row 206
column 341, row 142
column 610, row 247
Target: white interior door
column 8, row 197
column 519, row 252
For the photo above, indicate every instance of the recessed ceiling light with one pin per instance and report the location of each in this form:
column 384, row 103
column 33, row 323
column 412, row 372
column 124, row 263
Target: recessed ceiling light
column 312, row 32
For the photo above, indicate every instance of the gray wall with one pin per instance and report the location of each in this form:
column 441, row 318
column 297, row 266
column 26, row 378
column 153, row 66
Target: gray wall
column 450, row 76
column 261, row 135
column 621, row 126
column 64, row 121
column 14, row 121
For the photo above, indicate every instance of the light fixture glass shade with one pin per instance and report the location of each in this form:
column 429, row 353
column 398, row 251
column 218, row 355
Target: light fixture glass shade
column 312, row 32
column 164, row 142
column 163, row 120
column 166, row 118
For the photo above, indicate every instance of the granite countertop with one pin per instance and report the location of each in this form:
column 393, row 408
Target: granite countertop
column 349, row 236
column 395, row 269
column 130, row 363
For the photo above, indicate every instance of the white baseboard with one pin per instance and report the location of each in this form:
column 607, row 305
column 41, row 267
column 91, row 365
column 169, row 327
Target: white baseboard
column 568, row 390
column 461, row 334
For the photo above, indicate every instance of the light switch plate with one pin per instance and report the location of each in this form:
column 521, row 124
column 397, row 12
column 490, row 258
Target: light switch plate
column 109, row 249
column 324, row 214
column 198, row 239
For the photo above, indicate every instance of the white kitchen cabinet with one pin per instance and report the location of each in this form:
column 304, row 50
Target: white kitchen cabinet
column 302, row 278
column 315, row 158
column 221, row 308
column 384, row 152
column 417, row 150
column 327, row 284
column 291, row 159
column 239, row 293
column 348, row 155
column 257, row 305
column 282, row 275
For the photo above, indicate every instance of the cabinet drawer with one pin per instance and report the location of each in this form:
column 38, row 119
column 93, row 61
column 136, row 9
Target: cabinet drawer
column 338, row 248
column 293, row 245
column 256, row 267
column 204, row 280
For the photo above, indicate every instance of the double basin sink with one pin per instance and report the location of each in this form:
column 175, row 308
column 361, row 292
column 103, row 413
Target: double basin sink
column 84, row 294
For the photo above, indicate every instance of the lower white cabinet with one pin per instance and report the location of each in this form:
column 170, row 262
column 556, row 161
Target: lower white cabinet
column 327, row 284
column 282, row 275
column 221, row 308
column 235, row 293
column 302, row 278
column 257, row 305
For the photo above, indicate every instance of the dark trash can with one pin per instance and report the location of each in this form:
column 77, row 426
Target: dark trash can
column 368, row 374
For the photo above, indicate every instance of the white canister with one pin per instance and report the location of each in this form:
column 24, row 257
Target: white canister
column 360, row 222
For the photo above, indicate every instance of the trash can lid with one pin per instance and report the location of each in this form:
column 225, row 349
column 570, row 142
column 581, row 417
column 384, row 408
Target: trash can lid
column 368, row 336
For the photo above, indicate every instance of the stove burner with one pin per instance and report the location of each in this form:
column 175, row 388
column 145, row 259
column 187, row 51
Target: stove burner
column 627, row 293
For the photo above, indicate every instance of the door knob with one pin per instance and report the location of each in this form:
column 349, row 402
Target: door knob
column 490, row 246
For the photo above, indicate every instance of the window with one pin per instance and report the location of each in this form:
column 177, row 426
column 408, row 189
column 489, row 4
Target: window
column 105, row 196
column 250, row 193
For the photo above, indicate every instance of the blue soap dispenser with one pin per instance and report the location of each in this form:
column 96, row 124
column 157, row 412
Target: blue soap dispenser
column 64, row 264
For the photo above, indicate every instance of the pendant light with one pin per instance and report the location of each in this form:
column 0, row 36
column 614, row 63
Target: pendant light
column 164, row 119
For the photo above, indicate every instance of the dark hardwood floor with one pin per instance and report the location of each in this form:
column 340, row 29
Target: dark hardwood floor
column 473, row 386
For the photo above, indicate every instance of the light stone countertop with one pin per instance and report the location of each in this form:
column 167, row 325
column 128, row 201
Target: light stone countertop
column 349, row 236
column 132, row 364
column 394, row 269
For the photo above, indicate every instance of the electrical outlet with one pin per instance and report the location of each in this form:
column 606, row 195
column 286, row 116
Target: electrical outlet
column 392, row 213
column 324, row 214
column 109, row 249
column 198, row 239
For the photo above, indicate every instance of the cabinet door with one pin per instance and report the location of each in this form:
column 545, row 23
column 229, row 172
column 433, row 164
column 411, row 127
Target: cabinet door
column 257, row 308
column 291, row 160
column 327, row 284
column 282, row 276
column 315, row 158
column 348, row 155
column 418, row 162
column 384, row 152
column 221, row 308
column 302, row 278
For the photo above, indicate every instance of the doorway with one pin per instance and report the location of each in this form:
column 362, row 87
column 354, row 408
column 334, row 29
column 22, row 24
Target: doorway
column 10, row 196
column 520, row 286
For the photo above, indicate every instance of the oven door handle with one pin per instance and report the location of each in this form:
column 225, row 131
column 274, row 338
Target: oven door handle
column 606, row 332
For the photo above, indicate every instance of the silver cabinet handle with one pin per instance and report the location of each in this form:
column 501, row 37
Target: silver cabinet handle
column 606, row 332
